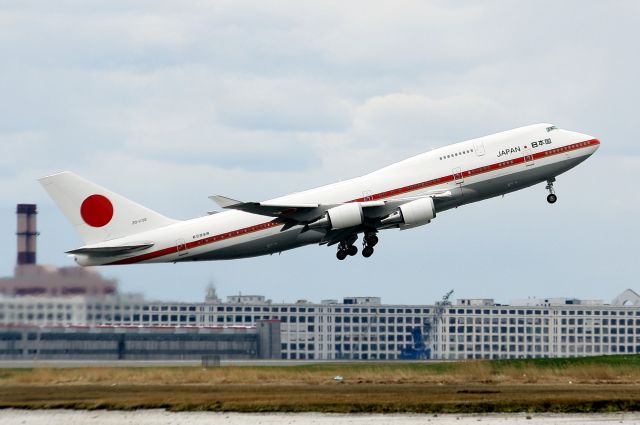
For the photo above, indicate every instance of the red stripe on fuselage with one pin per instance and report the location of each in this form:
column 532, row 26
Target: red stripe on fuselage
column 198, row 243
column 479, row 170
column 374, row 197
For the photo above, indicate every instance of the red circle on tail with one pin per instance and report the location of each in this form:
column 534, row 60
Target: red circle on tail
column 96, row 210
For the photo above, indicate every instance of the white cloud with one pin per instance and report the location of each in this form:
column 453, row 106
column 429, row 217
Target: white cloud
column 256, row 99
column 411, row 119
column 282, row 105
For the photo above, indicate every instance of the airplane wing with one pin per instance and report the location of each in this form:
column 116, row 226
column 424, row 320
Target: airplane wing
column 262, row 208
column 289, row 214
column 305, row 213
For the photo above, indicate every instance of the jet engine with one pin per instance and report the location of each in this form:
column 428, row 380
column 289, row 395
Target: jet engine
column 412, row 214
column 340, row 217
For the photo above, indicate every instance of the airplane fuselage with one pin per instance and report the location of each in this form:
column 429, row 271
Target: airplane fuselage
column 462, row 173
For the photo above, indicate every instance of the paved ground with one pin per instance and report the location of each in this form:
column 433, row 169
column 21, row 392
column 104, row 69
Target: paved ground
column 160, row 417
column 11, row 364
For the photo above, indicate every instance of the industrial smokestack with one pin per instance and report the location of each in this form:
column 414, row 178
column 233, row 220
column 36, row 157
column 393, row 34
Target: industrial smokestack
column 26, row 232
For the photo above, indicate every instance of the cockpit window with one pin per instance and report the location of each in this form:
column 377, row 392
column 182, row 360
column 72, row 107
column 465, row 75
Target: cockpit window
column 553, row 127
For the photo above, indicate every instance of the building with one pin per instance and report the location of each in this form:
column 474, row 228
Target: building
column 364, row 328
column 49, row 281
column 359, row 328
column 558, row 328
column 32, row 279
column 133, row 343
column 48, row 312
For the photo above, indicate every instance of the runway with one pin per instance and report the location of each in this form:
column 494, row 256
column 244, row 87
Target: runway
column 160, row 417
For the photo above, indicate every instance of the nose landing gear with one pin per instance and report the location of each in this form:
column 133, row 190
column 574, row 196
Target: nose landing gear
column 551, row 197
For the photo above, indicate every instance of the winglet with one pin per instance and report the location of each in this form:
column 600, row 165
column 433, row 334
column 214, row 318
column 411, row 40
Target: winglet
column 224, row 202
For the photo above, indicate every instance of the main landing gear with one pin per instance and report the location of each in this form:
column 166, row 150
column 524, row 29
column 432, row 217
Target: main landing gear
column 370, row 240
column 347, row 248
column 551, row 197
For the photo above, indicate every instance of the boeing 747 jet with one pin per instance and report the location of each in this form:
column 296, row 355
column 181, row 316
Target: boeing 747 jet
column 403, row 195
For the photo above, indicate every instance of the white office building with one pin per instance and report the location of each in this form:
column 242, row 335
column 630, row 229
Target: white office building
column 364, row 328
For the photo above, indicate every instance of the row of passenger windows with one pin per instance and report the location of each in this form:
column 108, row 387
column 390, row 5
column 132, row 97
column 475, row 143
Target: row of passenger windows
column 453, row 155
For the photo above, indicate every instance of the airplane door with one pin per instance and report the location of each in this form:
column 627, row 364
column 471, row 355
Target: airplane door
column 458, row 179
column 457, row 175
column 528, row 157
column 478, row 148
column 181, row 247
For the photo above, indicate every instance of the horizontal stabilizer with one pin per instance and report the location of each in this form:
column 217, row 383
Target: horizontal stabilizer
column 108, row 251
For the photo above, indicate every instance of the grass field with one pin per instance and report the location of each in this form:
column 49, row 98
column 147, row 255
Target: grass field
column 603, row 384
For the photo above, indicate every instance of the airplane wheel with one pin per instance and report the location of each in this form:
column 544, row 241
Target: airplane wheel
column 341, row 254
column 552, row 198
column 372, row 240
column 353, row 250
column 367, row 251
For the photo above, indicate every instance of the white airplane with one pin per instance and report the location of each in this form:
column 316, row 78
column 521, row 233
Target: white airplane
column 403, row 195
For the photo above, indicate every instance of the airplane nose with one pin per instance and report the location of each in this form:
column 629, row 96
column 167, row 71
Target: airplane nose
column 589, row 143
column 589, row 140
column 593, row 143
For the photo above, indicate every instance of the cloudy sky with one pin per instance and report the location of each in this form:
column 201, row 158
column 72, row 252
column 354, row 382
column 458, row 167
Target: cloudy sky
column 170, row 102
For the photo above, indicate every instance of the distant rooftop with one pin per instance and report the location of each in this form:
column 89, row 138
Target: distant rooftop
column 627, row 298
column 548, row 302
column 363, row 300
column 475, row 301
column 51, row 281
column 247, row 299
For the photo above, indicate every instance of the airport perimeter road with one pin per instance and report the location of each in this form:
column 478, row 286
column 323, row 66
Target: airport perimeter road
column 159, row 417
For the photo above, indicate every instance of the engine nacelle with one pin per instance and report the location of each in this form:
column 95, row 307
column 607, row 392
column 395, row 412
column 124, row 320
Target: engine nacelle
column 412, row 214
column 340, row 217
column 418, row 212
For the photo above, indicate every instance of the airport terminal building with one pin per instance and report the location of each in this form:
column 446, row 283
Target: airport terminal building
column 364, row 328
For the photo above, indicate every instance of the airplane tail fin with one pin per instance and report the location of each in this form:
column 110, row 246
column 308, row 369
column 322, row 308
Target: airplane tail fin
column 98, row 214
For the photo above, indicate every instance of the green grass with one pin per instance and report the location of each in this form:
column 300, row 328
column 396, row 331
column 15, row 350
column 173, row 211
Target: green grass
column 629, row 360
column 363, row 398
column 611, row 369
